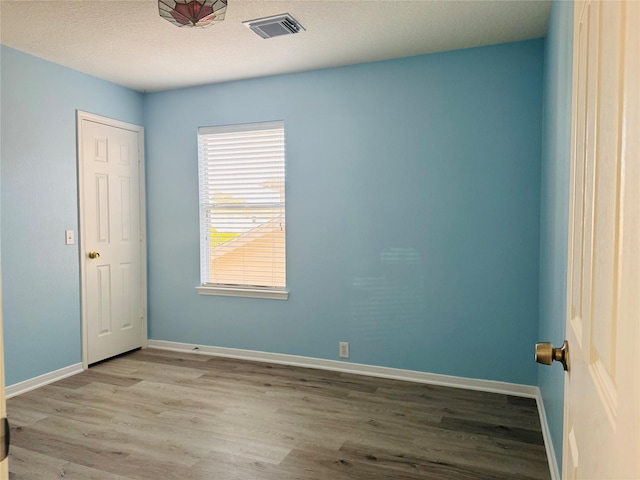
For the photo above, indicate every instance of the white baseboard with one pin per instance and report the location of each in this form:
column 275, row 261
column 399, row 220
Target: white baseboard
column 546, row 435
column 356, row 368
column 42, row 380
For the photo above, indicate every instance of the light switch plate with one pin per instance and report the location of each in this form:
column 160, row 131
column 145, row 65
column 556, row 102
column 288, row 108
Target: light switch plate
column 70, row 237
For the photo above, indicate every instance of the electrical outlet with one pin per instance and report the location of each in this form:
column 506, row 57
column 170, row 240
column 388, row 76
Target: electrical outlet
column 344, row 349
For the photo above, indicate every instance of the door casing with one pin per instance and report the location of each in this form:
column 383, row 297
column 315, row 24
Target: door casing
column 4, row 465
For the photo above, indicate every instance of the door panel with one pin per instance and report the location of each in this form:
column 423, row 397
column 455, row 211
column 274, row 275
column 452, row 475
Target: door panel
column 602, row 398
column 111, row 226
column 103, row 289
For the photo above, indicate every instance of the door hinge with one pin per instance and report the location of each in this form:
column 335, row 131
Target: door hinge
column 5, row 434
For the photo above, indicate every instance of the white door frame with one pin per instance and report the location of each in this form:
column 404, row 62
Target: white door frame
column 4, row 465
column 143, row 226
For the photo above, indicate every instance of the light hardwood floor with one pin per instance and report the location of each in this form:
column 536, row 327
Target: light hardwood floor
column 155, row 414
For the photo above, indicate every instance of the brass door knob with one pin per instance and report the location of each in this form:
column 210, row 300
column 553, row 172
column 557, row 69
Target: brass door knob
column 94, row 255
column 546, row 354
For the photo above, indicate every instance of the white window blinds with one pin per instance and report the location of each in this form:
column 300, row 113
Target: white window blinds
column 242, row 205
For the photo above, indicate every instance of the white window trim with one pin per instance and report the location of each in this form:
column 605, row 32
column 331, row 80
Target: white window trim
column 270, row 293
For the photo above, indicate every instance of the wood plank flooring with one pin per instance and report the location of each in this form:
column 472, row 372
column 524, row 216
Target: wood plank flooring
column 156, row 414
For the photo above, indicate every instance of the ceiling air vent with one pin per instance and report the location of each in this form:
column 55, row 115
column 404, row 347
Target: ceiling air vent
column 274, row 26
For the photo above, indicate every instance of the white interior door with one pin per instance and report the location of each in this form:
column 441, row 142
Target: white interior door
column 602, row 397
column 112, row 249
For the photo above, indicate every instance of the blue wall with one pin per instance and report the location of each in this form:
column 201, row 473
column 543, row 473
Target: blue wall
column 40, row 201
column 556, row 152
column 413, row 216
column 413, row 190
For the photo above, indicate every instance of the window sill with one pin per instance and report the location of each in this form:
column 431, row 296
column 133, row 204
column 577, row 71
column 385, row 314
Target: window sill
column 248, row 292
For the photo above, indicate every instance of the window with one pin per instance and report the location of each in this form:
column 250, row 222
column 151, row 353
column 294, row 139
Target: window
column 242, row 210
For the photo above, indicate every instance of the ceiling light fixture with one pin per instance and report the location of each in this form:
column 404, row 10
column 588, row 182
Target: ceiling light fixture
column 192, row 13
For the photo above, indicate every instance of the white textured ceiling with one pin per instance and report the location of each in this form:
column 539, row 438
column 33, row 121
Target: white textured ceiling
column 126, row 42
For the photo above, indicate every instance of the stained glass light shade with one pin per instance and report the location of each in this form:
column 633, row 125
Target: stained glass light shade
column 192, row 13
